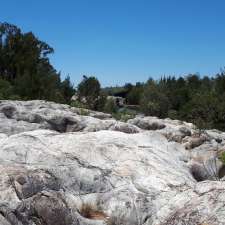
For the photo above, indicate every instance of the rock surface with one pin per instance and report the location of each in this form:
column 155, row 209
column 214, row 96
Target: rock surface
column 58, row 167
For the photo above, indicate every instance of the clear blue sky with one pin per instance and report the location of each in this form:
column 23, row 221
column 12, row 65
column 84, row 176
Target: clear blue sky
column 121, row 41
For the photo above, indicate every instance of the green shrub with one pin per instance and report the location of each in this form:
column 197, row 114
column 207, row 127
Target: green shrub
column 222, row 157
column 84, row 112
column 172, row 114
column 110, row 106
column 123, row 115
column 6, row 89
column 77, row 104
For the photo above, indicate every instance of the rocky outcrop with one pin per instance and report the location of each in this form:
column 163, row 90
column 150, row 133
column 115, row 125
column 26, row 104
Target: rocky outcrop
column 17, row 117
column 63, row 168
column 148, row 123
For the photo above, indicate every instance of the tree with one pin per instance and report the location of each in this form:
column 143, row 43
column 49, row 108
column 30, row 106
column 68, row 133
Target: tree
column 134, row 95
column 201, row 110
column 128, row 87
column 6, row 89
column 24, row 63
column 67, row 90
column 110, row 106
column 153, row 101
column 21, row 52
column 193, row 82
column 89, row 89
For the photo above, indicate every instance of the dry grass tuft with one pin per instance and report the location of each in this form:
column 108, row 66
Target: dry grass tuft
column 91, row 212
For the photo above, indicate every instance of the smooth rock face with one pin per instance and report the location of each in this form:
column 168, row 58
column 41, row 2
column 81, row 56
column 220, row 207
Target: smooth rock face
column 58, row 167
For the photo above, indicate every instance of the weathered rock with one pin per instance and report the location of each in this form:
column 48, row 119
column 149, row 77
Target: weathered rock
column 124, row 127
column 100, row 115
column 193, row 142
column 71, row 169
column 147, row 123
column 3, row 221
column 185, row 131
column 18, row 116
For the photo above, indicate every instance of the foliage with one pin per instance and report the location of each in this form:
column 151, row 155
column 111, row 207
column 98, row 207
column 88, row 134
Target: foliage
column 6, row 89
column 84, row 112
column 101, row 101
column 134, row 95
column 190, row 98
column 193, row 99
column 113, row 91
column 154, row 102
column 110, row 106
column 222, row 157
column 124, row 115
column 82, row 108
column 25, row 70
column 77, row 104
column 67, row 89
column 201, row 110
column 172, row 114
column 90, row 94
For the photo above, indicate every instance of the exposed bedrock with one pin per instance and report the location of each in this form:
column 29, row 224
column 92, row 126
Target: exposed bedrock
column 59, row 167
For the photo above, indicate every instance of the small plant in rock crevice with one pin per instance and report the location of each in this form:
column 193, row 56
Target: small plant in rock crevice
column 222, row 157
column 92, row 212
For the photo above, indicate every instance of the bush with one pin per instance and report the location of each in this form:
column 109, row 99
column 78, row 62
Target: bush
column 222, row 157
column 201, row 110
column 6, row 90
column 173, row 114
column 110, row 106
column 154, row 102
column 90, row 89
column 124, row 115
column 77, row 104
column 84, row 112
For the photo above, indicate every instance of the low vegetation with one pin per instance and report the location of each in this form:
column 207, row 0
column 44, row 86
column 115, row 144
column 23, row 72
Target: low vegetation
column 124, row 115
column 91, row 212
column 222, row 157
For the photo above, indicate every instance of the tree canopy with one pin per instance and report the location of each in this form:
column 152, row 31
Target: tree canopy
column 192, row 98
column 90, row 93
column 26, row 68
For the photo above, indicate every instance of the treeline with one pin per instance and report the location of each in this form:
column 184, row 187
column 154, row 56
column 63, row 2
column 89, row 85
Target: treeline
column 196, row 99
column 200, row 100
column 25, row 70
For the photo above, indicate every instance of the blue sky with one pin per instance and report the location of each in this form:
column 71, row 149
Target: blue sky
column 121, row 41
